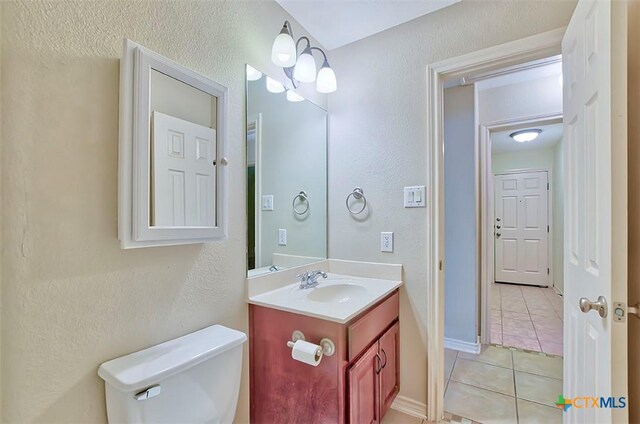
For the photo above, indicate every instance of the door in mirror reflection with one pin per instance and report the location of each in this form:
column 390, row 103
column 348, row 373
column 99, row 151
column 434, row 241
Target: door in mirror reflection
column 286, row 179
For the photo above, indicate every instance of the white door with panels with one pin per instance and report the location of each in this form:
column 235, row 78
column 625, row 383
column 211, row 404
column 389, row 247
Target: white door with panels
column 595, row 260
column 184, row 175
column 522, row 228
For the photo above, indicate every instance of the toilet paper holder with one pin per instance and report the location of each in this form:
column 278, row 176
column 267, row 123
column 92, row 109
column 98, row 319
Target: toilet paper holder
column 327, row 345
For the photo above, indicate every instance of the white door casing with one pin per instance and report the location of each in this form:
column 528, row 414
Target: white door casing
column 521, row 228
column 184, row 177
column 594, row 69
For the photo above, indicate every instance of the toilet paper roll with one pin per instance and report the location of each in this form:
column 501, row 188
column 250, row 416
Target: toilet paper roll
column 306, row 352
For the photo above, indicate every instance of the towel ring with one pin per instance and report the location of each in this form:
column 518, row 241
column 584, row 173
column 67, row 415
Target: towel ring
column 304, row 198
column 357, row 194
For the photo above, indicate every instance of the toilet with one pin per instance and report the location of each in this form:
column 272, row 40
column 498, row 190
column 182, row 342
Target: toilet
column 191, row 379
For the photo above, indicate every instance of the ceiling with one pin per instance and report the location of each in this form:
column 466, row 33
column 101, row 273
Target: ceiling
column 335, row 23
column 550, row 135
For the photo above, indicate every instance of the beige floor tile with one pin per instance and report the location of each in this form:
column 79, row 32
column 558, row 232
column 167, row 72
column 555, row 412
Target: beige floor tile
column 517, row 316
column 480, row 405
column 485, row 376
column 538, row 364
column 395, row 417
column 491, row 355
column 534, row 413
column 530, row 343
column 449, row 359
column 536, row 388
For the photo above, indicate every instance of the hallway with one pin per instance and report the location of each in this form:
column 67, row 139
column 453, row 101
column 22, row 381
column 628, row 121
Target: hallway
column 527, row 317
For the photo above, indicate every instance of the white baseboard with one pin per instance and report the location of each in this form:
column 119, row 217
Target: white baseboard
column 462, row 346
column 410, row 407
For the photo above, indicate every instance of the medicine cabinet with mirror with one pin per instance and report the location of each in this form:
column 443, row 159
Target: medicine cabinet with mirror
column 172, row 163
column 286, row 177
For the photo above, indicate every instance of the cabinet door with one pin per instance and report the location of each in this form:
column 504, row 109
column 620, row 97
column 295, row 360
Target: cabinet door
column 390, row 373
column 364, row 388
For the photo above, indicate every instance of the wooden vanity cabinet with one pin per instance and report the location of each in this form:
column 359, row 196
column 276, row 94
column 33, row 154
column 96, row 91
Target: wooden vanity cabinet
column 373, row 379
column 355, row 385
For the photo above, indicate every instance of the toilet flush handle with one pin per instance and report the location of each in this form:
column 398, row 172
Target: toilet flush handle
column 148, row 393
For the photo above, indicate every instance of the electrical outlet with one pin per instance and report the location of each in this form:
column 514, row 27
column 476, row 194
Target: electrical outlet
column 386, row 242
column 282, row 237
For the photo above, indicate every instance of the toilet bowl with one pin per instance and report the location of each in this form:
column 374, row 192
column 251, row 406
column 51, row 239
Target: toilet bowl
column 191, row 379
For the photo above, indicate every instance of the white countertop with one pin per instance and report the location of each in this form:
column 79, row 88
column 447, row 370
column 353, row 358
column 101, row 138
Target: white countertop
column 338, row 298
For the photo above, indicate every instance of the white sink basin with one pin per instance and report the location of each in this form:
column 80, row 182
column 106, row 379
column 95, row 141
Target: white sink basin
column 336, row 293
column 337, row 298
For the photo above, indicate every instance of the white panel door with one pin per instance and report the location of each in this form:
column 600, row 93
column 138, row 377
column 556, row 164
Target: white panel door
column 594, row 69
column 521, row 228
column 184, row 177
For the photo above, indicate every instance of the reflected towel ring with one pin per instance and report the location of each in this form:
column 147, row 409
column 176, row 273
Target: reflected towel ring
column 303, row 198
column 357, row 194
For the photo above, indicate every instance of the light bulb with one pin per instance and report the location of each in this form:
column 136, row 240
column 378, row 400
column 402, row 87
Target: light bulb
column 274, row 86
column 326, row 82
column 283, row 52
column 253, row 74
column 305, row 69
column 525, row 135
column 292, row 96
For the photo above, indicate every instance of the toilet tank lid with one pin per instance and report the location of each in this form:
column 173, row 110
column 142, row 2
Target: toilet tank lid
column 141, row 369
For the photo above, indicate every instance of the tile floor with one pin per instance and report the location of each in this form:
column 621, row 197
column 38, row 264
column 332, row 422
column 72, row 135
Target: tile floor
column 526, row 317
column 502, row 385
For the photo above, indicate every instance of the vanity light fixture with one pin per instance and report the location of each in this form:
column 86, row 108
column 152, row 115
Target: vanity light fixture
column 253, row 74
column 274, row 86
column 292, row 96
column 301, row 68
column 523, row 136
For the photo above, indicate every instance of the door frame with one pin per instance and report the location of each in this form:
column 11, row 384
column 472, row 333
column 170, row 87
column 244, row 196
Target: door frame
column 498, row 57
column 254, row 122
column 486, row 239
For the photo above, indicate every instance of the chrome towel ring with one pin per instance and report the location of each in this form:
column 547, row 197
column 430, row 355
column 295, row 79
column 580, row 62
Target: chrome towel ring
column 303, row 198
column 357, row 194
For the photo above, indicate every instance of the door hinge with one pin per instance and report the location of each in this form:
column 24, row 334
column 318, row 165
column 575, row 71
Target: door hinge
column 547, row 186
column 440, row 266
column 547, row 228
column 547, row 271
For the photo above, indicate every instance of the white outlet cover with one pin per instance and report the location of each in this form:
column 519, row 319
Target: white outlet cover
column 282, row 237
column 386, row 241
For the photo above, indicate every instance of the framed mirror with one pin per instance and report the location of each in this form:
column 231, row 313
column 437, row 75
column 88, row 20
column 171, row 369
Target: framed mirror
column 172, row 163
column 286, row 177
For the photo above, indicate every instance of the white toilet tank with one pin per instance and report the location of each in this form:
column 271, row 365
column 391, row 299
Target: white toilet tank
column 191, row 379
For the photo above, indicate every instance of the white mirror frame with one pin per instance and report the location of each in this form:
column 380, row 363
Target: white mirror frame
column 134, row 155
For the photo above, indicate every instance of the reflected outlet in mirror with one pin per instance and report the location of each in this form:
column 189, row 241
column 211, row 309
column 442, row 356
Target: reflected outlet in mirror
column 286, row 178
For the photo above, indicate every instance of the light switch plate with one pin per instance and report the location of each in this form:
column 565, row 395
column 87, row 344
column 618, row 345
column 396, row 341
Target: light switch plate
column 267, row 202
column 282, row 237
column 414, row 197
column 386, row 242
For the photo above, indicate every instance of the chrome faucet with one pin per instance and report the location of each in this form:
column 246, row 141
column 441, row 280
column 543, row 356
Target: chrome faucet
column 310, row 279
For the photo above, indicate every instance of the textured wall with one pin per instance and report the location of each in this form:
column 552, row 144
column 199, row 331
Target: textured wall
column 71, row 298
column 461, row 246
column 377, row 140
column 525, row 159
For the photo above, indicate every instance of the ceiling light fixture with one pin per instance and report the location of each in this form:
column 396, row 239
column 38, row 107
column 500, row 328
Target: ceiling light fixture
column 302, row 68
column 523, row 136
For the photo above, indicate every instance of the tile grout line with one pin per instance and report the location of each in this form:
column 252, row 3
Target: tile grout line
column 515, row 387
